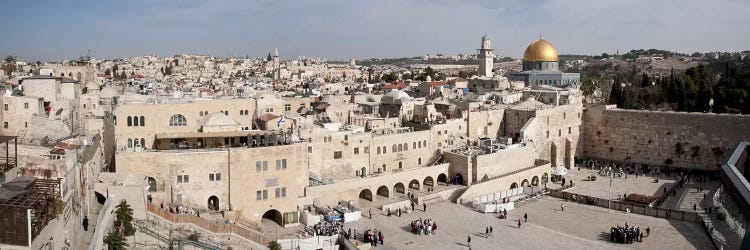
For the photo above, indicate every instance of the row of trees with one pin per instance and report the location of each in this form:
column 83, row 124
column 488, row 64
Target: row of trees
column 720, row 87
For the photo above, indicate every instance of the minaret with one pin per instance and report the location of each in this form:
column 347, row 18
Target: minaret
column 276, row 65
column 486, row 58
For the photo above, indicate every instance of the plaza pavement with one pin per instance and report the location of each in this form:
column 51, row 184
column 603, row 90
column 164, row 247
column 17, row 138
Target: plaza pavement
column 600, row 188
column 578, row 227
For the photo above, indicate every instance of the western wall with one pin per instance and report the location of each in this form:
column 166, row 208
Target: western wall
column 678, row 139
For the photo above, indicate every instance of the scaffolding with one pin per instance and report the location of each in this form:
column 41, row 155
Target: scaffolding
column 27, row 200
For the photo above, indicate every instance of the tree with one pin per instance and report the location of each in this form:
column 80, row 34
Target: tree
column 108, row 72
column 273, row 245
column 123, row 76
column 390, row 77
column 115, row 241
column 645, row 81
column 124, row 218
column 10, row 65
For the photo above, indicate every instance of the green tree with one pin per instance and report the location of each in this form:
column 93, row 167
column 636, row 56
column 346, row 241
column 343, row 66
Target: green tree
column 587, row 86
column 645, row 80
column 273, row 245
column 10, row 65
column 390, row 77
column 123, row 76
column 115, row 241
column 108, row 72
column 124, row 218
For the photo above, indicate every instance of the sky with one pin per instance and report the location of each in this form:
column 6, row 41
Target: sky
column 53, row 30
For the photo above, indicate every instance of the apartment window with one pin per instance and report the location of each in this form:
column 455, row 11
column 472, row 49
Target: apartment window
column 277, row 192
column 265, row 194
column 337, row 155
column 130, row 121
column 283, row 192
column 26, row 105
column 143, row 121
column 6, row 107
column 5, row 124
column 287, row 107
column 258, row 166
column 356, row 151
column 570, row 130
column 210, row 177
column 179, row 179
column 278, row 164
column 283, row 163
column 185, row 178
column 265, row 165
column 258, row 195
column 217, row 176
column 269, row 110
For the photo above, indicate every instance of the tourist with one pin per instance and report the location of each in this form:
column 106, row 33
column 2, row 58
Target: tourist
column 487, row 231
column 519, row 223
column 562, row 207
column 382, row 238
column 490, row 230
column 424, row 207
column 468, row 241
column 525, row 217
column 399, row 212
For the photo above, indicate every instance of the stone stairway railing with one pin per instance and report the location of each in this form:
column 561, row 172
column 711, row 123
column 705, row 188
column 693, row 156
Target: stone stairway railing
column 207, row 225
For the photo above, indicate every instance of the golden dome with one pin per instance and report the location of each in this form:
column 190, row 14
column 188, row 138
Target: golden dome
column 540, row 51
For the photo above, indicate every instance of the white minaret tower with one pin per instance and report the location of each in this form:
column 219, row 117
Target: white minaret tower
column 486, row 58
column 276, row 64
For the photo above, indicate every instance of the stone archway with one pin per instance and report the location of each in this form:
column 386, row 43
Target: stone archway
column 399, row 188
column 100, row 198
column 275, row 216
column 535, row 181
column 442, row 178
column 514, row 185
column 414, row 184
column 151, row 184
column 525, row 182
column 213, row 203
column 365, row 194
column 428, row 181
column 383, row 191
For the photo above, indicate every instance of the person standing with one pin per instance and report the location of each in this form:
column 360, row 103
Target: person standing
column 562, row 207
column 85, row 223
column 525, row 217
column 468, row 241
column 519, row 223
column 424, row 207
column 490, row 230
column 487, row 231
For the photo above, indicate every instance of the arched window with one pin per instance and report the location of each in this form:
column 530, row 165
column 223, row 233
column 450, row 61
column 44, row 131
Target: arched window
column 406, row 146
column 378, row 150
column 424, row 143
column 414, row 145
column 177, row 120
column 226, row 112
column 385, row 168
column 400, row 148
column 394, row 148
column 384, row 149
column 130, row 121
column 419, row 144
column 143, row 121
column 136, row 142
column 200, row 113
column 130, row 143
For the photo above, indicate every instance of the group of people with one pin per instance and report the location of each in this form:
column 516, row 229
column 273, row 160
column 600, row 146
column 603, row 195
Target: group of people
column 374, row 237
column 627, row 235
column 179, row 209
column 424, row 227
column 328, row 229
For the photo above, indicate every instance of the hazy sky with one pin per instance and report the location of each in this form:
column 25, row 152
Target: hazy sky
column 58, row 29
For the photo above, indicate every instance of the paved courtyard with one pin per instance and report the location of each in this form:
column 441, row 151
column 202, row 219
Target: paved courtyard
column 600, row 188
column 578, row 227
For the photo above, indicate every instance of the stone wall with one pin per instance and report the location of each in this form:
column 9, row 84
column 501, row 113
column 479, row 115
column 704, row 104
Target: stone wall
column 686, row 140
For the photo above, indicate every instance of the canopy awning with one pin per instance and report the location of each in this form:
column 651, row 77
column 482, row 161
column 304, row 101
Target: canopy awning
column 213, row 134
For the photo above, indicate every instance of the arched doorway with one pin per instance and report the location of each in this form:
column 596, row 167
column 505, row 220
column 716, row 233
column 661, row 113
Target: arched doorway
column 399, row 188
column 363, row 171
column 100, row 198
column 525, row 182
column 545, row 178
column 514, row 185
column 365, row 194
column 458, row 179
column 414, row 184
column 383, row 191
column 275, row 216
column 151, row 184
column 442, row 178
column 213, row 203
column 428, row 181
column 535, row 181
